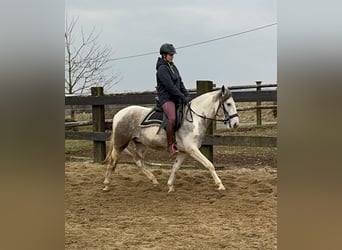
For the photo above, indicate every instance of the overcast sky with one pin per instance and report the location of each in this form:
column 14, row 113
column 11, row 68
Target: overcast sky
column 134, row 27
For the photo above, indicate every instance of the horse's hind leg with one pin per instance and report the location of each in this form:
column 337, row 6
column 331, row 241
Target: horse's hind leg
column 113, row 160
column 197, row 155
column 139, row 159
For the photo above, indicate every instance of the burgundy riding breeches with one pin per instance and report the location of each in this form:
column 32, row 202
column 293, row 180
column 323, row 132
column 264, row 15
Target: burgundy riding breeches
column 169, row 109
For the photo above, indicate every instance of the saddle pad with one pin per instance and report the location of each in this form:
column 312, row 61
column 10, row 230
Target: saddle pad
column 152, row 118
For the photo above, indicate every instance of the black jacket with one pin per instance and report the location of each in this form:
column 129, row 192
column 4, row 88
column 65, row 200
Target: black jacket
column 169, row 83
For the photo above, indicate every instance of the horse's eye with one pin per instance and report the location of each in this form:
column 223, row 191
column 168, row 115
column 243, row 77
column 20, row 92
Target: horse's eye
column 229, row 104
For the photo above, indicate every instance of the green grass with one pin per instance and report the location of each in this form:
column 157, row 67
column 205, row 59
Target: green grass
column 75, row 146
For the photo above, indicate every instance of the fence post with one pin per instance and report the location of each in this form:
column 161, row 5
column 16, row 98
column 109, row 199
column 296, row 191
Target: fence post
column 98, row 126
column 207, row 150
column 258, row 103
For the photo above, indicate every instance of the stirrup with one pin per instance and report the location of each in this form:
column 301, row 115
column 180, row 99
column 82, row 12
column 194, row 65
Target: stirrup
column 173, row 150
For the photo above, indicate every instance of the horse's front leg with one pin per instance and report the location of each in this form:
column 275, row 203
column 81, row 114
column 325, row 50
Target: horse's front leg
column 176, row 165
column 198, row 156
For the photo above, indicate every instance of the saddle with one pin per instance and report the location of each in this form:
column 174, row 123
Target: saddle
column 157, row 117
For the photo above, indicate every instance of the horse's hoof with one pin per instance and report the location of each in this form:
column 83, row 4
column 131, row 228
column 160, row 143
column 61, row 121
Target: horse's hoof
column 171, row 189
column 155, row 184
column 105, row 189
column 221, row 187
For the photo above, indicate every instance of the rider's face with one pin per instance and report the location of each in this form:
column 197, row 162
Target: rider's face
column 169, row 57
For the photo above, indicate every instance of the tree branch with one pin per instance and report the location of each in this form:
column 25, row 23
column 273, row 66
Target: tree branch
column 86, row 64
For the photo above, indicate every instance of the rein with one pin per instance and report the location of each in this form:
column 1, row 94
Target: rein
column 226, row 119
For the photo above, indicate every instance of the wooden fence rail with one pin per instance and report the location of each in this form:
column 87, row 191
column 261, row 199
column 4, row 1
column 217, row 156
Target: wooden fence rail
column 148, row 98
column 98, row 101
column 209, row 140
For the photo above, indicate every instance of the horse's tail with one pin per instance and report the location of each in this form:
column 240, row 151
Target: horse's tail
column 109, row 158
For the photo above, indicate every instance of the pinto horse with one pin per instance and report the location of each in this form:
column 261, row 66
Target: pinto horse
column 197, row 116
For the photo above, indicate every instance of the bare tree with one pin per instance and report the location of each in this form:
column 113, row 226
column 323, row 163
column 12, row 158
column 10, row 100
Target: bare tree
column 86, row 62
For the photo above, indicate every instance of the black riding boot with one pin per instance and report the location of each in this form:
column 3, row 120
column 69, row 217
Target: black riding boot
column 172, row 145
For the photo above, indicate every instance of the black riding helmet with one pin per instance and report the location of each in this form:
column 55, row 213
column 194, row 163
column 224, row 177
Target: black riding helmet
column 167, row 48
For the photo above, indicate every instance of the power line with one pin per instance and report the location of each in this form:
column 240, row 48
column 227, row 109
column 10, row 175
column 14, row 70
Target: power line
column 198, row 43
column 224, row 37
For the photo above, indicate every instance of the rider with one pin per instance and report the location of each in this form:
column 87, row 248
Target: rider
column 170, row 90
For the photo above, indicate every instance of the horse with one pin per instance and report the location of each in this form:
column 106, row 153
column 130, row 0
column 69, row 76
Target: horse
column 197, row 116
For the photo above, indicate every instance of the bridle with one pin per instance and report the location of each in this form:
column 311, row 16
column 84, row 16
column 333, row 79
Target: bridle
column 226, row 119
column 227, row 116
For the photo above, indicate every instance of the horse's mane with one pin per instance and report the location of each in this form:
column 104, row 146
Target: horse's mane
column 210, row 94
column 215, row 94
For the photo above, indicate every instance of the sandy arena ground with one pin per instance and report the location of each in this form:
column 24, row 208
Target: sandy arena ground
column 136, row 215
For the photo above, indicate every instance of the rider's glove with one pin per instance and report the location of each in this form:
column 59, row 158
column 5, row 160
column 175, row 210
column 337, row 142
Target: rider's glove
column 186, row 99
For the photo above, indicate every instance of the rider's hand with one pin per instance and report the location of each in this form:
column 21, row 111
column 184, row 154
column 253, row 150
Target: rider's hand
column 186, row 99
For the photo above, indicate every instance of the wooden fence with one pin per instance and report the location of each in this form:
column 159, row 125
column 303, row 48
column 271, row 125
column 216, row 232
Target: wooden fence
column 98, row 101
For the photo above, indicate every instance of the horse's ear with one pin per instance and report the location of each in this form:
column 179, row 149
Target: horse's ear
column 223, row 90
column 225, row 93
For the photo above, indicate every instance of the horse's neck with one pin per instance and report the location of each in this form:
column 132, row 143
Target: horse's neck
column 205, row 105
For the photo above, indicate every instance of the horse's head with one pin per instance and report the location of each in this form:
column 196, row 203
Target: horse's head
column 227, row 108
